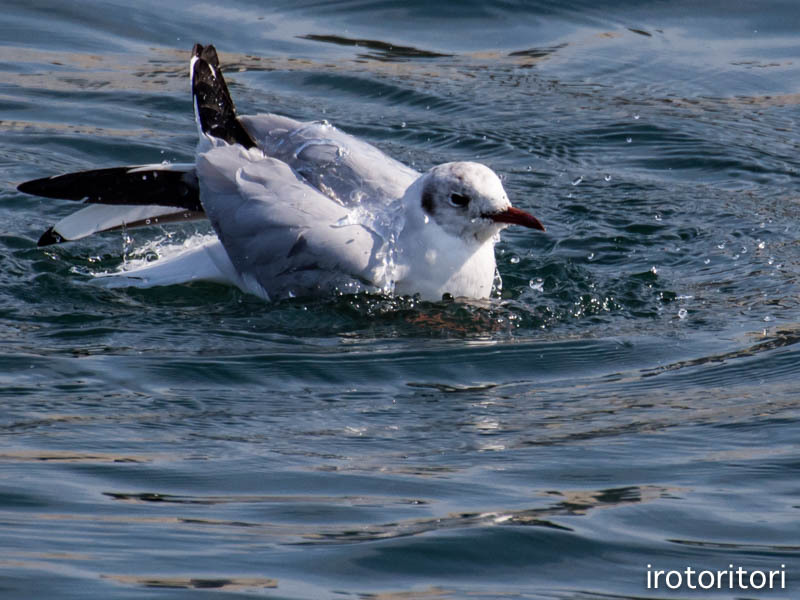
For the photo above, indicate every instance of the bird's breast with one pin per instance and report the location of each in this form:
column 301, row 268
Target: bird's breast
column 461, row 270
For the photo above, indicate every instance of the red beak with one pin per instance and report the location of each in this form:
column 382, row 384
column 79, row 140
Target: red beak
column 516, row 216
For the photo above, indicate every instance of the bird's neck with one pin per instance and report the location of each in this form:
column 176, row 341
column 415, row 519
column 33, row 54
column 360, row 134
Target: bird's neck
column 434, row 262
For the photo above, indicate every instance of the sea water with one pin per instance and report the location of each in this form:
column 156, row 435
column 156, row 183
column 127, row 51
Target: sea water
column 626, row 404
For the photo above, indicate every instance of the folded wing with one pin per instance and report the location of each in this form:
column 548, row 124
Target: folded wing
column 280, row 232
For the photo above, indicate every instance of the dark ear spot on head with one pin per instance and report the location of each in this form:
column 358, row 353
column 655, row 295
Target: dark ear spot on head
column 427, row 202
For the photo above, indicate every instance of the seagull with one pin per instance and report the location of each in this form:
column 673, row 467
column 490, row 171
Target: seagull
column 298, row 209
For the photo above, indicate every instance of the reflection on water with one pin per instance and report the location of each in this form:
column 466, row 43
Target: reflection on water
column 232, row 584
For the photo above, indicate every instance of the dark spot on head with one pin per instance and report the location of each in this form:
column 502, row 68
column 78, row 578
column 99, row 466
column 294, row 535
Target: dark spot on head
column 427, row 201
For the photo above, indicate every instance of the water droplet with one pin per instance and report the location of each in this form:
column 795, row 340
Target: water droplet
column 653, row 270
column 721, row 246
column 706, row 261
column 658, row 217
column 762, row 245
column 682, row 313
column 403, row 124
column 147, row 221
column 514, row 260
column 744, row 249
column 607, row 177
column 497, row 284
column 529, row 168
column 635, row 116
column 591, row 256
column 768, row 318
column 628, row 140
column 536, row 285
column 425, row 219
column 578, row 180
column 345, row 221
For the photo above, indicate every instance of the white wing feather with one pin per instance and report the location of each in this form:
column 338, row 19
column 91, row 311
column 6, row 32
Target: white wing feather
column 341, row 166
column 102, row 217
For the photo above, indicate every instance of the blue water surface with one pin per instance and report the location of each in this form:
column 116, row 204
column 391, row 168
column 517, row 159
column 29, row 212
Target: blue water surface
column 629, row 396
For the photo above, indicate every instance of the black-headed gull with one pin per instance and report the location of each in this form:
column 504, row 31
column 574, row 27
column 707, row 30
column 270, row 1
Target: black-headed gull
column 298, row 208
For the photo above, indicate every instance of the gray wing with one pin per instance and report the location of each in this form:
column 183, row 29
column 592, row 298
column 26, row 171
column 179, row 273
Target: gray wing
column 281, row 233
column 344, row 168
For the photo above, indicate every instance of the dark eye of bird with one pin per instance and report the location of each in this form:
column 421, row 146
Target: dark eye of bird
column 459, row 200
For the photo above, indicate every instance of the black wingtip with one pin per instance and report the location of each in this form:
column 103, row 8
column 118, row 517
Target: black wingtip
column 55, row 186
column 215, row 109
column 207, row 53
column 34, row 187
column 132, row 186
column 49, row 238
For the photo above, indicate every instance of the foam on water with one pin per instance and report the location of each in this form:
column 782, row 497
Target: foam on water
column 162, row 247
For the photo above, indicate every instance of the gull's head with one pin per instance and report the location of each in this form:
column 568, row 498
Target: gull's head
column 467, row 200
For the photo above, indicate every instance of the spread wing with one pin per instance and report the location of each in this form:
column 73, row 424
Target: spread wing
column 280, row 232
column 344, row 168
